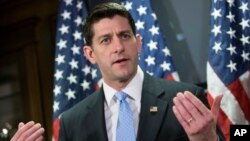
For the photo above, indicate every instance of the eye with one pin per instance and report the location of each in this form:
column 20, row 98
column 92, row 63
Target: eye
column 105, row 40
column 125, row 36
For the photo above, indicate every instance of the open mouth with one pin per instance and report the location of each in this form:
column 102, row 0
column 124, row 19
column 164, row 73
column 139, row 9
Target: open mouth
column 121, row 61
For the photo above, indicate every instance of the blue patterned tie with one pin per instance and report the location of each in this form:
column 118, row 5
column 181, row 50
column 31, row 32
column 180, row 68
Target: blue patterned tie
column 125, row 126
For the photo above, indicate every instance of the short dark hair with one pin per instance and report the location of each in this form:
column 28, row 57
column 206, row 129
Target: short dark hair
column 105, row 10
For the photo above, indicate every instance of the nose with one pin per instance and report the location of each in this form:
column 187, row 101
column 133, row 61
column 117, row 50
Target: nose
column 118, row 45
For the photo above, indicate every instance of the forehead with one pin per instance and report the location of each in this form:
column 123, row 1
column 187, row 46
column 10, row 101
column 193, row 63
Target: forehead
column 108, row 25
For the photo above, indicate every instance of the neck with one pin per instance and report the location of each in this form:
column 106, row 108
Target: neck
column 119, row 84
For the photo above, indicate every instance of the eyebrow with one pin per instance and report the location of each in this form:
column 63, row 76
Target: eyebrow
column 125, row 31
column 119, row 34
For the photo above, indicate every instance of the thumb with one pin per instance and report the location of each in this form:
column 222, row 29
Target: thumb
column 216, row 105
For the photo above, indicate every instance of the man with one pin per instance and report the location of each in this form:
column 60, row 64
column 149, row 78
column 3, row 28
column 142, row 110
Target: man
column 161, row 110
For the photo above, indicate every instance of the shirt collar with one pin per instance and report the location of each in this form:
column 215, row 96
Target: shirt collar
column 133, row 89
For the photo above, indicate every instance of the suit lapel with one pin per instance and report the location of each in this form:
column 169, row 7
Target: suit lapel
column 96, row 119
column 150, row 120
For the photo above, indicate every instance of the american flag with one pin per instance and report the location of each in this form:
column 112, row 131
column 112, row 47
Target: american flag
column 155, row 57
column 75, row 78
column 228, row 64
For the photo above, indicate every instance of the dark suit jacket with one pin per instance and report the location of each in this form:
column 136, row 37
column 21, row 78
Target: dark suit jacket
column 86, row 121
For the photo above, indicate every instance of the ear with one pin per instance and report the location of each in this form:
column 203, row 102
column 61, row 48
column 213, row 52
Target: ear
column 88, row 52
column 138, row 42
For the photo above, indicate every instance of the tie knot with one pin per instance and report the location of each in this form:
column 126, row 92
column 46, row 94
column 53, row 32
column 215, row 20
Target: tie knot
column 121, row 96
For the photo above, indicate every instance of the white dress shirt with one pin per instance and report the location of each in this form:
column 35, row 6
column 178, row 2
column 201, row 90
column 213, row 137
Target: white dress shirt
column 111, row 105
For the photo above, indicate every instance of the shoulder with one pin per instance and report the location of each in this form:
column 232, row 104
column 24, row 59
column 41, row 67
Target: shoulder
column 171, row 88
column 181, row 86
column 78, row 116
column 170, row 84
column 81, row 109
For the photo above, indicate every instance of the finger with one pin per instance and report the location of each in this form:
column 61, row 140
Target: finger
column 36, row 135
column 21, row 130
column 191, row 109
column 21, row 124
column 197, row 103
column 179, row 101
column 30, row 131
column 182, row 110
column 216, row 105
column 24, row 127
column 183, row 123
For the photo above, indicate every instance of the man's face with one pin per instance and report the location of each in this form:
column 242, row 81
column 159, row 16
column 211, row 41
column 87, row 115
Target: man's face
column 115, row 49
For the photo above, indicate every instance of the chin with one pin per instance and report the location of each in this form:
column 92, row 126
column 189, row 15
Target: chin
column 126, row 76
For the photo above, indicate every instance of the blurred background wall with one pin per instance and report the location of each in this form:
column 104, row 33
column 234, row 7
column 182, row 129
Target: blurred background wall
column 27, row 33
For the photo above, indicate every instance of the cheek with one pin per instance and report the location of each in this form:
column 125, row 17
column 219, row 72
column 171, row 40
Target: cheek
column 104, row 57
column 134, row 52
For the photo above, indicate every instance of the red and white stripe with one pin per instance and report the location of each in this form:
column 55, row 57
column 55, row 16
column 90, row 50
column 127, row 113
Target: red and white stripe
column 235, row 105
column 173, row 76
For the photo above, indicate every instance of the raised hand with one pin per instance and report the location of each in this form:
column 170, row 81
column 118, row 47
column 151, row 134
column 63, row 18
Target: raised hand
column 29, row 132
column 198, row 121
